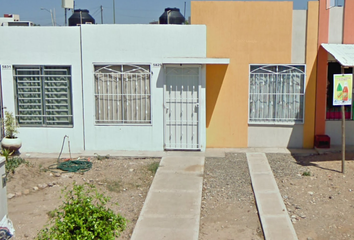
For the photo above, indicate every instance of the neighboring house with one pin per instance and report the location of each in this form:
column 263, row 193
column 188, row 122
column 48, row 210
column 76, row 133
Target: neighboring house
column 274, row 91
column 13, row 20
column 108, row 87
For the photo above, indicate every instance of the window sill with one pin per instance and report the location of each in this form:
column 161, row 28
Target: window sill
column 122, row 125
column 41, row 126
column 337, row 120
column 275, row 123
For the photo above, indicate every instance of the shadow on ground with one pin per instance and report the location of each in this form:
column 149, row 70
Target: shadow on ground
column 313, row 160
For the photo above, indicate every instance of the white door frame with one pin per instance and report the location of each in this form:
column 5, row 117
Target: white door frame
column 199, row 107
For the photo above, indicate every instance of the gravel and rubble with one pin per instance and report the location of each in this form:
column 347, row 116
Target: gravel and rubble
column 228, row 204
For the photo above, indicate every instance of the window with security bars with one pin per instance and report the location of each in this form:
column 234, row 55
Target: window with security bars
column 43, row 95
column 122, row 94
column 276, row 93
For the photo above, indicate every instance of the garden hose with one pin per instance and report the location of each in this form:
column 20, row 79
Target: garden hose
column 80, row 165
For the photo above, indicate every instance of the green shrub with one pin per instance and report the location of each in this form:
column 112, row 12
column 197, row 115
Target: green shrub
column 12, row 163
column 306, row 173
column 83, row 215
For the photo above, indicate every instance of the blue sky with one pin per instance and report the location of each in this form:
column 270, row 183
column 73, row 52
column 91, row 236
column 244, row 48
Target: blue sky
column 127, row 11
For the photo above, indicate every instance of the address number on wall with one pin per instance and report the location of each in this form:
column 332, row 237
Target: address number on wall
column 6, row 67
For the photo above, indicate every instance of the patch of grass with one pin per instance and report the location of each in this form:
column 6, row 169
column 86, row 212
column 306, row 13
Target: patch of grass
column 114, row 186
column 306, row 173
column 42, row 169
column 152, row 167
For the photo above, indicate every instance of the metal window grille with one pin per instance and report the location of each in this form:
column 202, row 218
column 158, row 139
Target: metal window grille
column 43, row 95
column 276, row 93
column 122, row 94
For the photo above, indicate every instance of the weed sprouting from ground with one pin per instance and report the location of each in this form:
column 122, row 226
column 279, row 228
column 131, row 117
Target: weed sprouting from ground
column 153, row 167
column 114, row 186
column 100, row 158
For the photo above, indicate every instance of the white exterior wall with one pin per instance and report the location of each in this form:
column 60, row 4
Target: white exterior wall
column 43, row 46
column 137, row 44
column 100, row 44
column 286, row 136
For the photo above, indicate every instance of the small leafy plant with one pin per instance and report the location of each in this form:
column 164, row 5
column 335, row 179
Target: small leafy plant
column 6, row 153
column 10, row 125
column 83, row 215
column 99, row 157
column 306, row 173
column 153, row 167
column 12, row 163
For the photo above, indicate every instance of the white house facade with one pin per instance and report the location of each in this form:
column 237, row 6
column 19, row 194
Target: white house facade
column 107, row 87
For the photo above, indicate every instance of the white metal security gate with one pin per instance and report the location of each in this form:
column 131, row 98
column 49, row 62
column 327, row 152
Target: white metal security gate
column 181, row 108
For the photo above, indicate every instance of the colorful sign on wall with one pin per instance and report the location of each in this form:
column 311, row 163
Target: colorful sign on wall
column 342, row 89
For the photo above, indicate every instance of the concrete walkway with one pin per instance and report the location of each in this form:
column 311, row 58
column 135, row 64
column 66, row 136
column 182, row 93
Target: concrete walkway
column 274, row 216
column 172, row 207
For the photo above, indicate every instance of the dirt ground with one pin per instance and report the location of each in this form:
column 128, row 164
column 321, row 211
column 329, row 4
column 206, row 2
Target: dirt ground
column 320, row 205
column 125, row 180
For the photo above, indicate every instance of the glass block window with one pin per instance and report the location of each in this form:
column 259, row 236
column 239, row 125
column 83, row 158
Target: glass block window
column 122, row 94
column 276, row 93
column 43, row 95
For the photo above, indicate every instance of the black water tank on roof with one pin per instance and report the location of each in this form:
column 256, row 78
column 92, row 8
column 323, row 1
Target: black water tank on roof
column 171, row 16
column 81, row 16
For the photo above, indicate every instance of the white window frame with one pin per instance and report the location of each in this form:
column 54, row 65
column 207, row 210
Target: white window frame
column 265, row 70
column 118, row 115
column 35, row 93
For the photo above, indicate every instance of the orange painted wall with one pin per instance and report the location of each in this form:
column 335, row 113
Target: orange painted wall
column 348, row 30
column 311, row 73
column 245, row 32
column 322, row 59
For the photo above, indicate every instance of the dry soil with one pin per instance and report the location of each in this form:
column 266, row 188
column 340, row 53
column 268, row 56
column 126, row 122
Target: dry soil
column 319, row 198
column 125, row 180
